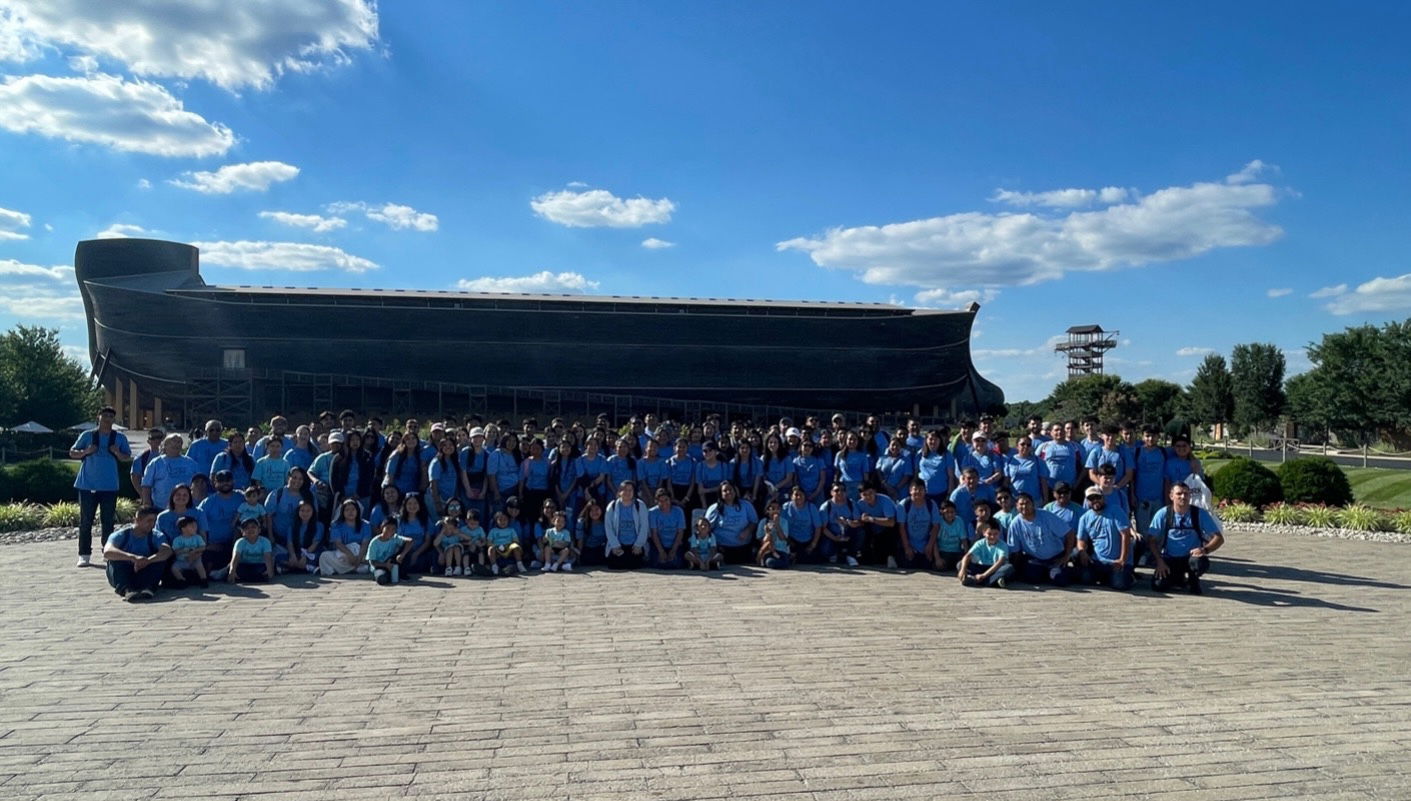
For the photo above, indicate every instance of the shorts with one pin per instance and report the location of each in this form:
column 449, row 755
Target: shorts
column 446, row 547
column 185, row 564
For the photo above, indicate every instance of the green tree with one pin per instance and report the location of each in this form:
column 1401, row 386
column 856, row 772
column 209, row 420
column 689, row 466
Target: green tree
column 1158, row 401
column 1210, row 397
column 38, row 382
column 1081, row 396
column 1360, row 383
column 1257, row 382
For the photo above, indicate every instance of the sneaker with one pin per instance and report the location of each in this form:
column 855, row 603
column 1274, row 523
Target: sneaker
column 551, row 568
column 146, row 595
column 83, row 561
column 1193, row 584
column 851, row 561
column 566, row 567
column 219, row 575
column 891, row 563
column 535, row 565
column 833, row 560
column 1002, row 584
column 495, row 569
column 450, row 571
column 519, row 567
column 131, row 596
column 363, row 568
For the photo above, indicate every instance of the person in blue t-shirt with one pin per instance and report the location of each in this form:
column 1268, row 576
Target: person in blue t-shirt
column 842, row 530
column 732, row 522
column 1040, row 544
column 809, row 472
column 136, row 557
column 1149, row 477
column 986, row 563
column 221, row 509
column 165, row 472
column 804, row 524
column 894, row 469
column 878, row 514
column 667, row 528
column 97, row 481
column 919, row 520
column 1025, row 471
column 204, row 451
column 1060, row 457
column 1180, row 463
column 252, row 556
column 935, row 464
column 1104, row 544
column 1182, row 537
column 1109, row 454
column 970, row 491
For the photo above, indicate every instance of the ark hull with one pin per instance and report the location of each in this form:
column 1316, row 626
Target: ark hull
column 152, row 320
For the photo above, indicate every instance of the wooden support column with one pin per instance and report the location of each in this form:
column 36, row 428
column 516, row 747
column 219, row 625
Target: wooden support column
column 156, row 411
column 134, row 410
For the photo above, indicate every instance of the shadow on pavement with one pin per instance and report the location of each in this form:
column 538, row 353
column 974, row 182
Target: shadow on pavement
column 1246, row 568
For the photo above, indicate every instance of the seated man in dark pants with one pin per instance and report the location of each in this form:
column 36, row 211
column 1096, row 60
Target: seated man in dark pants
column 1040, row 544
column 1182, row 537
column 136, row 557
column 1104, row 543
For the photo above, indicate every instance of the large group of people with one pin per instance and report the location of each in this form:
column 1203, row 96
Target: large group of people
column 1067, row 502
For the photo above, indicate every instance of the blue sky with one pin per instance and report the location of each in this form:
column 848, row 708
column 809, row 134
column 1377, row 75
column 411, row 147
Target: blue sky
column 1194, row 176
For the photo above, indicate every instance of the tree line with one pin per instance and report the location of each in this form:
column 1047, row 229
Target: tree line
column 38, row 381
column 1358, row 390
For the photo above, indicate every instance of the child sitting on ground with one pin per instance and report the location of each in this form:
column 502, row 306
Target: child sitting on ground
column 252, row 557
column 385, row 552
column 987, row 561
column 504, row 544
column 477, row 542
column 773, row 534
column 450, row 541
column 188, row 546
column 703, row 553
column 952, row 539
column 558, row 544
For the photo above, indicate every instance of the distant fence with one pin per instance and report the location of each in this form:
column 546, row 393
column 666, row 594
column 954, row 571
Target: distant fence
column 10, row 454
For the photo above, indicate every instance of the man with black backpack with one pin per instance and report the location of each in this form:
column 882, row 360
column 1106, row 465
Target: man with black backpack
column 97, row 481
column 1181, row 538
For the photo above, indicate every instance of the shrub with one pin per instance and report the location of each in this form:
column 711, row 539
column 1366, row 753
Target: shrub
column 1315, row 479
column 62, row 515
column 1238, row 512
column 21, row 517
column 126, row 510
column 1285, row 514
column 41, row 481
column 1320, row 516
column 1244, row 479
column 1362, row 518
column 1401, row 521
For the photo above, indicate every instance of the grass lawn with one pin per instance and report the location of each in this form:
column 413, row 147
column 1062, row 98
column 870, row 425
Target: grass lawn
column 1374, row 486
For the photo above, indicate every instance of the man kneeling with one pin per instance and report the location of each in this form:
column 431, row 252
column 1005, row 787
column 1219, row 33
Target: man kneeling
column 1104, row 543
column 1182, row 537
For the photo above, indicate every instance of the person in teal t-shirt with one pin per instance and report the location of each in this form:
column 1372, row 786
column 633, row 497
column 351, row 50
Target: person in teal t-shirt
column 703, row 553
column 987, row 561
column 386, row 551
column 252, row 557
column 504, row 545
column 188, row 545
column 773, row 535
column 558, row 544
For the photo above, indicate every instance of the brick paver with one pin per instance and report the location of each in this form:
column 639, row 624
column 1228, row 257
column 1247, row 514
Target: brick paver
column 1287, row 680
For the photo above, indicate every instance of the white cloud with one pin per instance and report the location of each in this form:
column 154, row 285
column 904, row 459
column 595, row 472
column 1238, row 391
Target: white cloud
column 541, row 282
column 1062, row 198
column 1279, row 293
column 254, row 176
column 78, row 353
column 652, row 243
column 11, row 222
column 143, row 183
column 59, row 272
column 133, row 116
column 1329, row 291
column 121, row 231
column 293, row 256
column 1372, row 297
column 231, row 44
column 83, row 64
column 973, row 249
column 1193, row 351
column 32, row 292
column 314, row 222
column 598, row 208
column 1045, row 350
column 393, row 215
column 948, row 299
column 1251, row 172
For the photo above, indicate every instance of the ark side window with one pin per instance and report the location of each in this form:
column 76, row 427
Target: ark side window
column 234, row 359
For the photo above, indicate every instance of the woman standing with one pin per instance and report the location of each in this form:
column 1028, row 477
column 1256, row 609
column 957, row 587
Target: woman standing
column 681, row 474
column 778, row 466
column 352, row 472
column 853, row 464
column 445, row 476
column 711, row 472
column 235, row 459
column 534, row 477
column 935, row 465
column 747, row 473
column 405, row 468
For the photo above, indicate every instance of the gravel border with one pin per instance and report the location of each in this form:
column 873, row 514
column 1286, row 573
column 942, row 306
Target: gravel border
column 1335, row 533
column 55, row 534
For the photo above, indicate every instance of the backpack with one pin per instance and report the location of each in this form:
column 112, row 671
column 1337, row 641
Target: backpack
column 1171, row 520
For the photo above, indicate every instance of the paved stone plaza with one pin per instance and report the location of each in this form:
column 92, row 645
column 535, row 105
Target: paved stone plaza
column 1287, row 680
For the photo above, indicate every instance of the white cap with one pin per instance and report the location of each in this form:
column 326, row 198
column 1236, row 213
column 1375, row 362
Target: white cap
column 337, row 436
column 793, row 432
column 477, row 432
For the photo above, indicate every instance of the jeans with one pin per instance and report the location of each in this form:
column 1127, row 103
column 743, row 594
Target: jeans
column 779, row 561
column 973, row 572
column 852, row 547
column 658, row 559
column 123, row 577
column 1039, row 571
column 1180, row 570
column 90, row 502
column 627, row 561
column 1118, row 577
column 251, row 571
column 879, row 543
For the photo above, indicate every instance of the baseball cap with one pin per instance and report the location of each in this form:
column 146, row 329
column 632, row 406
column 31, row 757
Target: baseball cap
column 1093, row 492
column 793, row 432
column 1062, row 486
column 337, row 436
column 477, row 432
